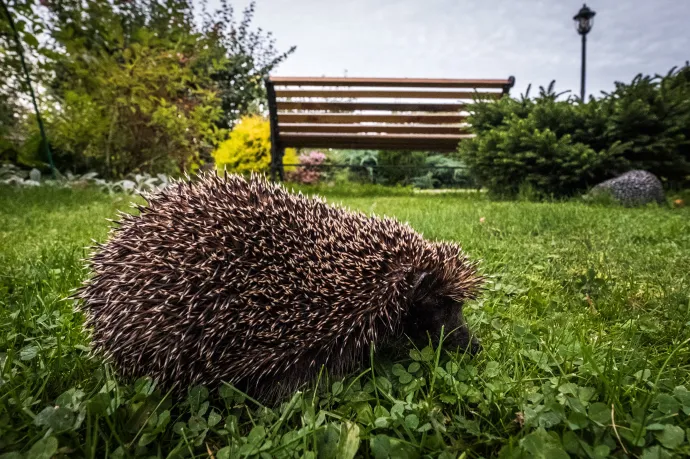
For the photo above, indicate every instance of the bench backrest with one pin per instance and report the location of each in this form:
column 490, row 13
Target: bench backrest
column 372, row 113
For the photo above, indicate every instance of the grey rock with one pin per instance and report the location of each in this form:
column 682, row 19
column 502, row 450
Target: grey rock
column 35, row 175
column 634, row 188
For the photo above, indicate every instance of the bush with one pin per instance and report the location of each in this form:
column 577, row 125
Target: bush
column 561, row 147
column 447, row 172
column 651, row 117
column 248, row 149
column 307, row 173
column 400, row 167
column 361, row 165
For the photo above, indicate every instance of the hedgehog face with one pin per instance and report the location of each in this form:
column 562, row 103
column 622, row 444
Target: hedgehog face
column 430, row 313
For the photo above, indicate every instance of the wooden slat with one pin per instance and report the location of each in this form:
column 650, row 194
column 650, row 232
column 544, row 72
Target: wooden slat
column 389, row 82
column 383, row 94
column 387, row 128
column 352, row 106
column 391, row 142
column 359, row 118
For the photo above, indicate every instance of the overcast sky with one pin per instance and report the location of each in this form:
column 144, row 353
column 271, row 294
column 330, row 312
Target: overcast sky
column 534, row 40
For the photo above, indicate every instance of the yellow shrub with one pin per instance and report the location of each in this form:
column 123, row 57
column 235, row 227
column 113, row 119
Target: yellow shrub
column 249, row 148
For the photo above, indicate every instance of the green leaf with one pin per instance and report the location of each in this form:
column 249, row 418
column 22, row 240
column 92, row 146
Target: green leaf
column 147, row 438
column 99, row 404
column 44, row 448
column 70, row 399
column 571, row 443
column 227, row 392
column 568, row 388
column 601, row 451
column 683, row 396
column 543, row 445
column 163, row 420
column 667, row 404
column 600, row 413
column 179, row 427
column 248, row 450
column 59, row 419
column 256, row 435
column 381, row 423
column 348, row 444
column 28, row 352
column 337, row 388
column 448, row 398
column 405, row 378
column 196, row 424
column 655, row 452
column 671, row 437
column 381, row 411
column 384, row 384
column 656, row 426
column 328, row 441
column 585, row 394
column 398, row 370
column 223, row 453
column 197, row 395
column 428, row 354
column 415, row 355
column 30, row 40
column 213, row 418
column 384, row 447
column 411, row 421
column 492, row 369
column 398, row 410
column 577, row 421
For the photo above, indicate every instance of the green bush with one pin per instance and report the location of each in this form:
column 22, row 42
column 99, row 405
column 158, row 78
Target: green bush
column 536, row 143
column 561, row 147
column 445, row 172
column 248, row 149
column 651, row 117
column 400, row 167
column 361, row 165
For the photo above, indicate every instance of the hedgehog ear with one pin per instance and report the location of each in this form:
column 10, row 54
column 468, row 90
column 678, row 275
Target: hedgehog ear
column 418, row 279
column 420, row 285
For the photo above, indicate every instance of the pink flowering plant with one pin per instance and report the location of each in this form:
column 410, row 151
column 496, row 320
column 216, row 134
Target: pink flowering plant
column 308, row 172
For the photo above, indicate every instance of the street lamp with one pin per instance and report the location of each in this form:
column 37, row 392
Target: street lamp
column 584, row 20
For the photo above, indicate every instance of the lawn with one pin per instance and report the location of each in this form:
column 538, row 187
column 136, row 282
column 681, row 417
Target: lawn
column 585, row 323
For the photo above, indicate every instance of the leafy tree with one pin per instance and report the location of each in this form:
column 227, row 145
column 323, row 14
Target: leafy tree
column 18, row 29
column 138, row 86
column 247, row 58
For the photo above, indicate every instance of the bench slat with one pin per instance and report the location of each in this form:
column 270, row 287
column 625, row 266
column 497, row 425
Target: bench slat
column 397, row 142
column 390, row 82
column 367, row 117
column 382, row 94
column 352, row 106
column 388, row 128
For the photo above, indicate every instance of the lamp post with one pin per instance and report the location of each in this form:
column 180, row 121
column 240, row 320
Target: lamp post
column 584, row 20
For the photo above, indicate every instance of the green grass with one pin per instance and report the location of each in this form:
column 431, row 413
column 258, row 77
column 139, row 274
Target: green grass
column 585, row 324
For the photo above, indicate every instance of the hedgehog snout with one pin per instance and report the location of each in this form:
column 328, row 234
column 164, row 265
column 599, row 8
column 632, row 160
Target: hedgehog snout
column 463, row 340
column 475, row 346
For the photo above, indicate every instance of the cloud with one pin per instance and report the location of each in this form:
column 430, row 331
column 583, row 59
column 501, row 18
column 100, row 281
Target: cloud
column 534, row 40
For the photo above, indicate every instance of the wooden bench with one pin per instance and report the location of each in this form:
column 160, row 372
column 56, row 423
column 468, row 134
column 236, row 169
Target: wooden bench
column 372, row 113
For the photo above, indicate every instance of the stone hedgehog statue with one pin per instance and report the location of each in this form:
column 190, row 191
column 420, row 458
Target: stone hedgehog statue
column 634, row 188
column 228, row 279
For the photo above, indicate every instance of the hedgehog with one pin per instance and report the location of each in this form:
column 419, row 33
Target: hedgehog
column 227, row 279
